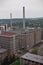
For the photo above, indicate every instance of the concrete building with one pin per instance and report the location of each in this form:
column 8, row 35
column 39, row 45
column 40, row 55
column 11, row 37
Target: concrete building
column 31, row 59
column 3, row 54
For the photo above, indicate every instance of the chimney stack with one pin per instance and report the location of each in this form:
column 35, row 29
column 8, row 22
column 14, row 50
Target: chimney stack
column 23, row 17
column 5, row 27
column 11, row 20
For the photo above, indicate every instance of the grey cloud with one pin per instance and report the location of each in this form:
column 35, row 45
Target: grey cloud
column 32, row 7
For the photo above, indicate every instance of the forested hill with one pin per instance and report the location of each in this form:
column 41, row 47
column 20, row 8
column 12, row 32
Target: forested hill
column 29, row 21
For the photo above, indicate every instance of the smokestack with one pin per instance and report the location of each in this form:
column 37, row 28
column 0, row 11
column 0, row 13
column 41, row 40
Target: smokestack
column 5, row 27
column 11, row 20
column 23, row 17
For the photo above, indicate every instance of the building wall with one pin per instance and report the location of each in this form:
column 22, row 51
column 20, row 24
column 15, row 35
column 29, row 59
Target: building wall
column 7, row 43
column 14, row 45
column 27, row 40
column 34, row 35
column 3, row 55
column 27, row 62
column 21, row 42
column 4, row 41
column 38, row 35
column 42, row 33
column 24, row 41
column 31, row 37
column 40, row 52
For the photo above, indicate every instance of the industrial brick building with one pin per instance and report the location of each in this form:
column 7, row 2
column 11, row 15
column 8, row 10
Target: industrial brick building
column 20, row 40
column 6, row 41
column 13, row 42
column 27, row 38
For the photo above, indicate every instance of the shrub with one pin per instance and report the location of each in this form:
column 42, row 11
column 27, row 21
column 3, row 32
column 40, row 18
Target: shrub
column 35, row 51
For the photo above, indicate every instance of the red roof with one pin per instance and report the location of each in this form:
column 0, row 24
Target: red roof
column 7, row 34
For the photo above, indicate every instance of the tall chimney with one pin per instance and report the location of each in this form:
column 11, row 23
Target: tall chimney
column 11, row 20
column 5, row 27
column 23, row 17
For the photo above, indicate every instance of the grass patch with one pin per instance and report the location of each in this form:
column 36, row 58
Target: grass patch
column 17, row 62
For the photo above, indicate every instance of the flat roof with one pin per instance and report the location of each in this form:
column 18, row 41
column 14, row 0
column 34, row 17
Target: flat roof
column 33, row 57
column 2, row 50
column 30, row 27
column 33, row 28
column 17, row 31
column 7, row 34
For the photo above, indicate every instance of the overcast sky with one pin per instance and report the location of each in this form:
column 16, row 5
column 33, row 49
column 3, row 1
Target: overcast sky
column 34, row 8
